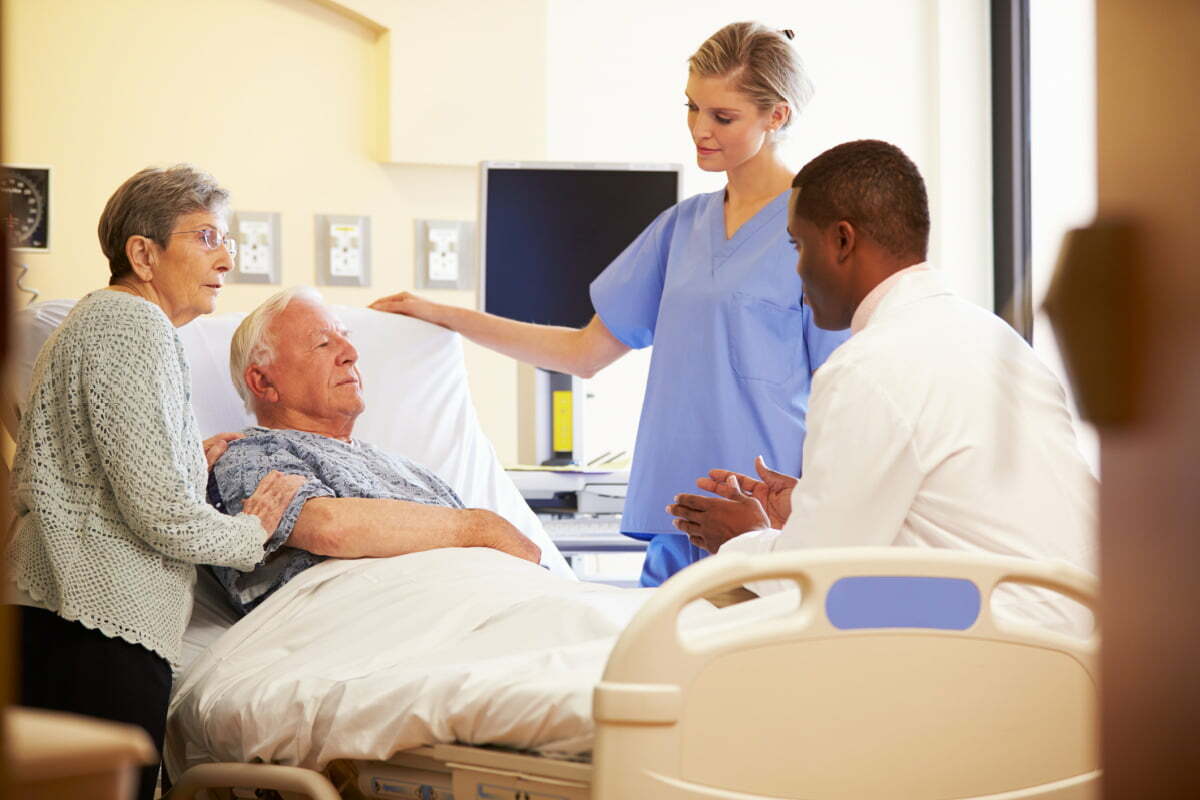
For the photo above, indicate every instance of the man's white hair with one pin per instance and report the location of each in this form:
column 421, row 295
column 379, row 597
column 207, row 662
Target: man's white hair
column 252, row 345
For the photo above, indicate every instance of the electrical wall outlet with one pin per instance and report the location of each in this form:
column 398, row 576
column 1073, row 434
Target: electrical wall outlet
column 258, row 255
column 343, row 250
column 445, row 254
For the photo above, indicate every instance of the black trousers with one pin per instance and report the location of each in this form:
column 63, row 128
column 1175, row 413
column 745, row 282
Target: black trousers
column 68, row 667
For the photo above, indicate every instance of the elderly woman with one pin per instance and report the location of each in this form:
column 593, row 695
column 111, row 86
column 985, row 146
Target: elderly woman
column 109, row 479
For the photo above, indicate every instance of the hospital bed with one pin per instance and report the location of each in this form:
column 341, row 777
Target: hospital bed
column 885, row 675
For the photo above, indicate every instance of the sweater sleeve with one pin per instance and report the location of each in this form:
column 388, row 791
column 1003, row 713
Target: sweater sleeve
column 136, row 397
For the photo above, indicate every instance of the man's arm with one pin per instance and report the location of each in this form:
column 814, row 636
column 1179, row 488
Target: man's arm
column 861, row 473
column 353, row 527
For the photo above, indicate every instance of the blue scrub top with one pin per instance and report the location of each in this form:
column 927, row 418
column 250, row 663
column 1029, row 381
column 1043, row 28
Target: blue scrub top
column 734, row 353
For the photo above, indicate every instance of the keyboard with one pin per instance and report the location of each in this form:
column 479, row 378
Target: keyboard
column 583, row 527
column 584, row 534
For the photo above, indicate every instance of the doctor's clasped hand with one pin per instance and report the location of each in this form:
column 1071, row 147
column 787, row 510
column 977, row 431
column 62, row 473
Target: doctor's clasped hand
column 743, row 504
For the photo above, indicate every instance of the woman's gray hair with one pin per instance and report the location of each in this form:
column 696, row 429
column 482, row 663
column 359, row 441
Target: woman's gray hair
column 762, row 64
column 250, row 343
column 148, row 205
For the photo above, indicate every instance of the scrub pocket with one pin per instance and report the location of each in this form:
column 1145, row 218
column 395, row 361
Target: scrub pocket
column 764, row 338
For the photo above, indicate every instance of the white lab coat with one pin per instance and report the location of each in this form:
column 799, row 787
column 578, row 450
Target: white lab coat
column 937, row 426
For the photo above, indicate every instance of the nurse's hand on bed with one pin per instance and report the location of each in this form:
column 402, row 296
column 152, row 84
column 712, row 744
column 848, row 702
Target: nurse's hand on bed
column 215, row 446
column 710, row 522
column 410, row 305
column 773, row 492
column 271, row 498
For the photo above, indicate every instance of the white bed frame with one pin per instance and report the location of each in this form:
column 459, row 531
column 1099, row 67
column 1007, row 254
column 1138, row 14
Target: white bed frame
column 791, row 707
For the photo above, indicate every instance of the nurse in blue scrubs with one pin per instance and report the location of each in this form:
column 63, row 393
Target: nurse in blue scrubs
column 712, row 284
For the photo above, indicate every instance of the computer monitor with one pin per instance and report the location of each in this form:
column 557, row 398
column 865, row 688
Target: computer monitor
column 546, row 230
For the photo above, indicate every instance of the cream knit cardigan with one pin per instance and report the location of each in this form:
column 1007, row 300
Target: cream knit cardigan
column 109, row 479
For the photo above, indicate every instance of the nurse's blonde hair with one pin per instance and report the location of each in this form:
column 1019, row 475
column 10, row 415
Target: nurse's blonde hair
column 761, row 63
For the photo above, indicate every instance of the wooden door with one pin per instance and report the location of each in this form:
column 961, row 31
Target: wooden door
column 1148, row 56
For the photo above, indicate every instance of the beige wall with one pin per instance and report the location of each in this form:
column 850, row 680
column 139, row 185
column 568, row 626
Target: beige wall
column 291, row 103
column 277, row 98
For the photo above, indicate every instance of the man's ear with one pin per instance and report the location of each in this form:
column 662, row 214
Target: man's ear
column 142, row 253
column 260, row 385
column 845, row 238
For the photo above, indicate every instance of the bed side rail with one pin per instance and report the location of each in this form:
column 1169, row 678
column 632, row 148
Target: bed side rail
column 891, row 677
column 638, row 654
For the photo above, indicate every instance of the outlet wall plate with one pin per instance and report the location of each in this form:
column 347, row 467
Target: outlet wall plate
column 343, row 250
column 259, row 247
column 444, row 254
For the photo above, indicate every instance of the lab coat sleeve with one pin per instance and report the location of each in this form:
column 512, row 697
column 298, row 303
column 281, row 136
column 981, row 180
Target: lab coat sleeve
column 627, row 294
column 861, row 472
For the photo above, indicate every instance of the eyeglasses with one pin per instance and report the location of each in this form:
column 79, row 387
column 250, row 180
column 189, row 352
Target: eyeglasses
column 213, row 239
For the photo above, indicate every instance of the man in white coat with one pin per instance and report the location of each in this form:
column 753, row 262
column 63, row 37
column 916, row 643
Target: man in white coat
column 934, row 425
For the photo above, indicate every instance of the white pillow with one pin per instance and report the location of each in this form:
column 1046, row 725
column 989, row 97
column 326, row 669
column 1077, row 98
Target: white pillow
column 31, row 327
column 414, row 384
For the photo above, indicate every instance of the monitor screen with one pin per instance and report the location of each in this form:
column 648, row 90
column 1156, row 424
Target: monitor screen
column 547, row 231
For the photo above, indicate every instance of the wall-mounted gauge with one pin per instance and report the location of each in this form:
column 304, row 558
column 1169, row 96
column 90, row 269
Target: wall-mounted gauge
column 26, row 192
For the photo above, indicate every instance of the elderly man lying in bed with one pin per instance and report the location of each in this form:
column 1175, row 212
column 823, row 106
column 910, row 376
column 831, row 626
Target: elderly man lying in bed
column 293, row 364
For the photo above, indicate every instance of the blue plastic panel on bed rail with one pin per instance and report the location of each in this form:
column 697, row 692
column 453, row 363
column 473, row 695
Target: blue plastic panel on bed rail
column 893, row 601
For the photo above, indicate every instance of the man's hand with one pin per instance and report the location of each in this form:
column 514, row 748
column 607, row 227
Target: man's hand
column 500, row 534
column 709, row 522
column 271, row 498
column 773, row 492
column 215, row 446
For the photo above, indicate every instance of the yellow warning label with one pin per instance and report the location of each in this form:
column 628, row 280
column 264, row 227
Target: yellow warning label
column 563, row 423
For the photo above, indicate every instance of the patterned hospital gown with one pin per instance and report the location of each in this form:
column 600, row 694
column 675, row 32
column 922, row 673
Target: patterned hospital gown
column 334, row 469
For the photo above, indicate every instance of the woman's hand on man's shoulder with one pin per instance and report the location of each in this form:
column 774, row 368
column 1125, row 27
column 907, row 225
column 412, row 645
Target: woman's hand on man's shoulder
column 215, row 446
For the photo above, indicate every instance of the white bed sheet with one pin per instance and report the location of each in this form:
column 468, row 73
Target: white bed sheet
column 364, row 658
